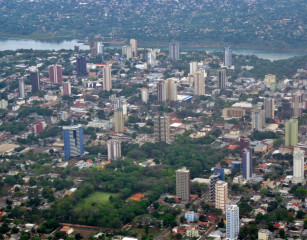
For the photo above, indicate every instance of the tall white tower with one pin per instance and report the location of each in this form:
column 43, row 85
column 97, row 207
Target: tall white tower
column 298, row 165
column 232, row 222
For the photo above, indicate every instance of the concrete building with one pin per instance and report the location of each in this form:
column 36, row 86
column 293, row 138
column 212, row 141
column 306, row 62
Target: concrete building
column 3, row 104
column 127, row 51
column 171, row 90
column 66, row 88
column 221, row 79
column 269, row 108
column 73, row 141
column 107, row 79
column 174, row 50
column 221, row 195
column 144, row 93
column 214, row 178
column 291, row 132
column 183, row 184
column 35, row 80
column 21, row 88
column 161, row 128
column 55, row 74
column 134, row 47
column 232, row 222
column 258, row 120
column 247, row 163
column 298, row 165
column 270, row 79
column 297, row 105
column 199, row 83
column 118, row 120
column 114, row 149
column 161, row 91
column 233, row 112
column 263, row 234
column 193, row 67
column 81, row 66
column 227, row 56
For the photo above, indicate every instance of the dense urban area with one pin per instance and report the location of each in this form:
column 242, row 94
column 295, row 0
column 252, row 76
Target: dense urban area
column 262, row 24
column 144, row 143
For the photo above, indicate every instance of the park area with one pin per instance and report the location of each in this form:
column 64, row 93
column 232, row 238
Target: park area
column 96, row 197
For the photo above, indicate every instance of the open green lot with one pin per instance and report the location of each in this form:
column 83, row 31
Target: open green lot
column 96, row 197
column 141, row 231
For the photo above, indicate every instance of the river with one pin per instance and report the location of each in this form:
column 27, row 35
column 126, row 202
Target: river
column 14, row 44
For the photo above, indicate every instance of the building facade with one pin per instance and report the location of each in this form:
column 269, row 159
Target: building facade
column 227, row 56
column 114, row 149
column 144, row 93
column 119, row 120
column 221, row 195
column 171, row 90
column 183, row 184
column 297, row 110
column 258, row 120
column 269, row 108
column 199, row 83
column 221, row 79
column 291, row 132
column 161, row 128
column 73, row 141
column 35, row 81
column 107, row 79
column 298, row 165
column 161, row 91
column 55, row 74
column 232, row 222
column 193, row 67
column 66, row 88
column 21, row 88
column 174, row 51
column 247, row 163
column 81, row 66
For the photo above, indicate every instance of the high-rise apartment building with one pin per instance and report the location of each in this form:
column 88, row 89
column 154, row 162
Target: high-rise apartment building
column 81, row 66
column 291, row 132
column 73, row 141
column 227, row 56
column 35, row 81
column 171, row 90
column 232, row 222
column 161, row 128
column 221, row 79
column 134, row 47
column 55, row 74
column 221, row 195
column 174, row 50
column 161, row 91
column 183, row 184
column 297, row 105
column 199, row 83
column 269, row 108
column 258, row 120
column 298, row 165
column 114, row 149
column 119, row 120
column 127, row 51
column 3, row 104
column 193, row 67
column 66, row 88
column 247, row 163
column 144, row 93
column 96, row 48
column 214, row 178
column 21, row 88
column 107, row 79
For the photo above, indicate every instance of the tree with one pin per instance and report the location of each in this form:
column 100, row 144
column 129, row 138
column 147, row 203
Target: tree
column 78, row 236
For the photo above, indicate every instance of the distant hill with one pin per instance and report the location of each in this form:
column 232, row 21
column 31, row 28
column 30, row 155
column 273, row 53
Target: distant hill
column 271, row 24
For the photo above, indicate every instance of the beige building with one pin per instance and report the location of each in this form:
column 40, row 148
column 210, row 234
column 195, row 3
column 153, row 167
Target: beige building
column 118, row 120
column 269, row 108
column 233, row 112
column 134, row 47
column 270, row 78
column 144, row 93
column 171, row 90
column 183, row 184
column 263, row 234
column 107, row 80
column 199, row 83
column 221, row 195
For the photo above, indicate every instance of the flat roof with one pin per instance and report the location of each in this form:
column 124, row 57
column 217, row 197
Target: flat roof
column 4, row 148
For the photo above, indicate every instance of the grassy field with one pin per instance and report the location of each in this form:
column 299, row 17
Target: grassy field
column 96, row 197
